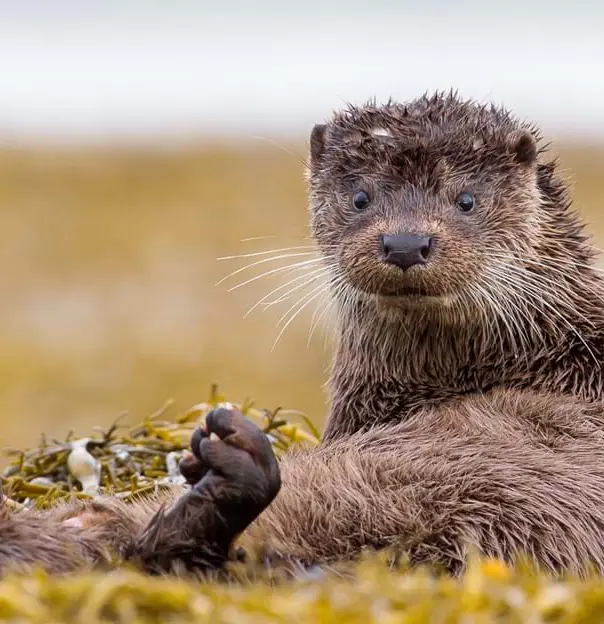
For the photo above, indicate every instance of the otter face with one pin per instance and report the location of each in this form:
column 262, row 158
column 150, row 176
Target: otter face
column 413, row 204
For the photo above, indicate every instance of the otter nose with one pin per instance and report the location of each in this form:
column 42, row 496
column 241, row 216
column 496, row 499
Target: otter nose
column 405, row 250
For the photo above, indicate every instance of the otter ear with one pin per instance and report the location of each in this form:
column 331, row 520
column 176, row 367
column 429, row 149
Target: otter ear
column 524, row 147
column 317, row 144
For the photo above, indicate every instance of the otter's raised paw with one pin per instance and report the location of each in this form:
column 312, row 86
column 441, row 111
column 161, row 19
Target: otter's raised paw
column 233, row 462
column 234, row 476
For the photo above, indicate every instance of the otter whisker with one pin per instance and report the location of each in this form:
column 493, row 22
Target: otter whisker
column 518, row 307
column 572, row 278
column 315, row 320
column 268, row 251
column 580, row 265
column 560, row 288
column 488, row 297
column 575, row 331
column 307, row 299
column 528, row 286
column 289, row 267
column 579, row 278
column 336, row 282
column 513, row 287
column 302, row 299
column 518, row 264
column 514, row 297
column 521, row 305
column 482, row 307
column 249, row 239
column 285, row 296
column 562, row 294
column 540, row 287
column 502, row 312
column 328, row 307
column 501, row 274
column 530, row 290
column 264, row 261
column 310, row 277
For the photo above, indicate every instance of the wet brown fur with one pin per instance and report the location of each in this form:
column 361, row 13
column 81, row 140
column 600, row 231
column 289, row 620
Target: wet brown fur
column 509, row 474
column 459, row 419
column 43, row 539
column 393, row 356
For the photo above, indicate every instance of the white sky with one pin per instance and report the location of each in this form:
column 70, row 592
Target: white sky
column 147, row 70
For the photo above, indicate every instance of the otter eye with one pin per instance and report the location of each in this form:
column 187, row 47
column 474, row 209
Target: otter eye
column 465, row 202
column 360, row 200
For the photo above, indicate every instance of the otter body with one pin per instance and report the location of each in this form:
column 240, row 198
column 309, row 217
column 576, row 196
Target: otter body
column 466, row 385
column 372, row 386
column 510, row 474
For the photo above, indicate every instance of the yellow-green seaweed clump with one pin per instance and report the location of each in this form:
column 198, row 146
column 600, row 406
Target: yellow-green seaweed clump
column 489, row 592
column 127, row 461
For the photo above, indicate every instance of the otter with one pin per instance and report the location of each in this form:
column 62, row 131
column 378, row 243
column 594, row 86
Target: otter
column 461, row 266
column 466, row 409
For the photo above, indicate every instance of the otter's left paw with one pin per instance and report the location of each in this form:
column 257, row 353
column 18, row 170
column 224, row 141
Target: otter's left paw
column 235, row 476
column 233, row 462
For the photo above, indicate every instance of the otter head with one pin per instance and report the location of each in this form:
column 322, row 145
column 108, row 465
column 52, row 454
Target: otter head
column 417, row 205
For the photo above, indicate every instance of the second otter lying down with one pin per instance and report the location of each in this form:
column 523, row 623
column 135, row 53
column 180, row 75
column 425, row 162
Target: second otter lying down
column 466, row 385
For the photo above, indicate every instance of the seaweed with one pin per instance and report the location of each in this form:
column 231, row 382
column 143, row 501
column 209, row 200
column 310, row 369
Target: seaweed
column 129, row 461
column 373, row 592
column 378, row 587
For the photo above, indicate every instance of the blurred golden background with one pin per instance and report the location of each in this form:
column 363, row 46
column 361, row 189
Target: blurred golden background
column 109, row 296
column 139, row 142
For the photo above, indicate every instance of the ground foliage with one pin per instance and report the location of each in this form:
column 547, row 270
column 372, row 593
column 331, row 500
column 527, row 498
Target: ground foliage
column 123, row 461
column 488, row 592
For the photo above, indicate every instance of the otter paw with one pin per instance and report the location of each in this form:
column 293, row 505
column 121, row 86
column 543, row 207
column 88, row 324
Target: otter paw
column 232, row 461
column 234, row 476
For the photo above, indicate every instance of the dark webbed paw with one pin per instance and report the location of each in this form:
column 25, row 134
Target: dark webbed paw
column 234, row 476
column 232, row 461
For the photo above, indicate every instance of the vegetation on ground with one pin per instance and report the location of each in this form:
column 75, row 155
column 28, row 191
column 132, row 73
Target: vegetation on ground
column 489, row 592
column 124, row 460
column 128, row 461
